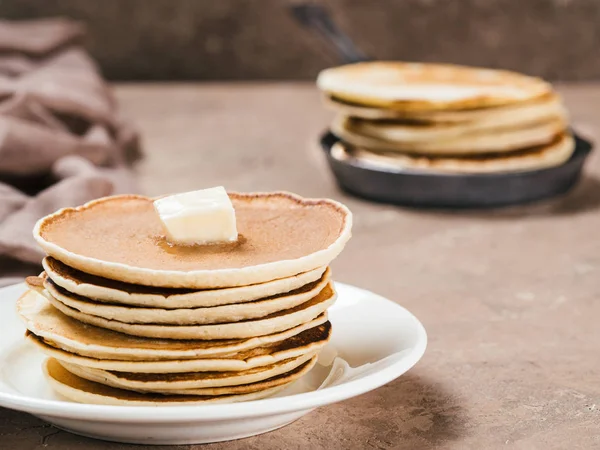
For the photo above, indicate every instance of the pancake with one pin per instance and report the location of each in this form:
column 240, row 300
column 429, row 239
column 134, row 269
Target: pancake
column 111, row 291
column 490, row 141
column 427, row 87
column 195, row 316
column 301, row 345
column 398, row 131
column 73, row 336
column 200, row 383
column 535, row 158
column 121, row 238
column 270, row 324
column 84, row 391
column 538, row 108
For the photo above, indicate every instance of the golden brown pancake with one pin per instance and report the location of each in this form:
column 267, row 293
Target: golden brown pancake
column 408, row 131
column 122, row 238
column 188, row 316
column 307, row 343
column 483, row 141
column 118, row 292
column 196, row 383
column 527, row 110
column 533, row 158
column 46, row 322
column 428, row 87
column 273, row 323
column 84, row 391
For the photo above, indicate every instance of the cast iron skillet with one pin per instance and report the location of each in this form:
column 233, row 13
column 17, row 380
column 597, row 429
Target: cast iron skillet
column 427, row 189
column 438, row 190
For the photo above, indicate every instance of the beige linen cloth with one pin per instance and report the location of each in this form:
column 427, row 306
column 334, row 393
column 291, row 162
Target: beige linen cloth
column 62, row 141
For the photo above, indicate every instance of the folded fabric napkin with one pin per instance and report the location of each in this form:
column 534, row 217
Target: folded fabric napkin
column 62, row 140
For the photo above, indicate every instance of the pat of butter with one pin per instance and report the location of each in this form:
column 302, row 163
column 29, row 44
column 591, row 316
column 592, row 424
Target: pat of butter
column 199, row 217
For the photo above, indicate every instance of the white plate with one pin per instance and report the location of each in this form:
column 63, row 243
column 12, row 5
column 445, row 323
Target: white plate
column 378, row 338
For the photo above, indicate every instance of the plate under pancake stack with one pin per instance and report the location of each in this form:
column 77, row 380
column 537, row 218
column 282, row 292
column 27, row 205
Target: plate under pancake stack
column 210, row 324
column 448, row 136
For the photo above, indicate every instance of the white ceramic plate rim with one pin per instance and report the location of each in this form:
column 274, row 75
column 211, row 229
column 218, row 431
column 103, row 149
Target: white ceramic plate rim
column 258, row 408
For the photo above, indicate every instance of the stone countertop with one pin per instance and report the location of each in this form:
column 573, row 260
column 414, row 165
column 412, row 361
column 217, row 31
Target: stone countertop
column 510, row 298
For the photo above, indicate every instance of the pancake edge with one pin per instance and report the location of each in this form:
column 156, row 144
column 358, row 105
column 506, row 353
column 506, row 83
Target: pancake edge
column 198, row 279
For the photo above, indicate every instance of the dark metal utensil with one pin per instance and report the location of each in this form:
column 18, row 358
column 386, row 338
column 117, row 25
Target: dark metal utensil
column 439, row 190
column 317, row 19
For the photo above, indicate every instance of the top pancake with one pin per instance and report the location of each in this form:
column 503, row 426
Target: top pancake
column 121, row 238
column 421, row 87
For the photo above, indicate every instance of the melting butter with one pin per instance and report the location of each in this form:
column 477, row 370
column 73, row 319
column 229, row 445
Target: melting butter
column 200, row 217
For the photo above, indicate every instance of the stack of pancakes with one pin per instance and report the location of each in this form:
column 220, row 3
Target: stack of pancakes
column 445, row 118
column 127, row 318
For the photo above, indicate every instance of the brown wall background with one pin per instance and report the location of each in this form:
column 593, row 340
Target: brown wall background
column 258, row 39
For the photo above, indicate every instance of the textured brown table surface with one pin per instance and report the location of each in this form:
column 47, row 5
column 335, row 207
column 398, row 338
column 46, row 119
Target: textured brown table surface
column 510, row 298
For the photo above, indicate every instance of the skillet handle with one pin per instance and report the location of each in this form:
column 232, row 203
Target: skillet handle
column 318, row 20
